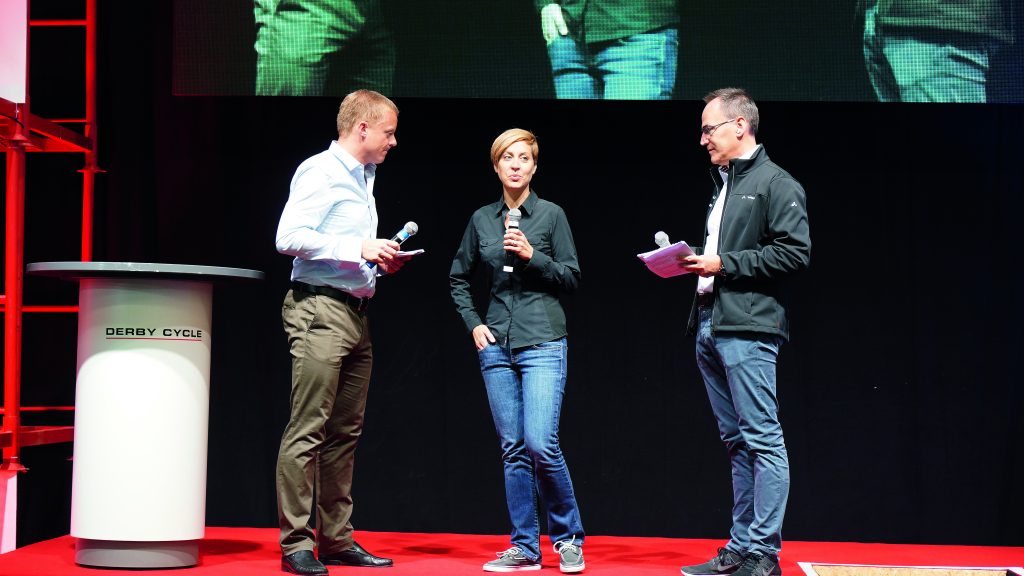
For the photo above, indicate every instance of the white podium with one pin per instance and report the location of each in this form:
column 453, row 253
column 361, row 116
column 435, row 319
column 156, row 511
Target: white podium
column 138, row 491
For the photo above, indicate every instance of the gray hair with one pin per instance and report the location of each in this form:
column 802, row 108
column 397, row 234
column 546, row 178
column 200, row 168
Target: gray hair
column 736, row 102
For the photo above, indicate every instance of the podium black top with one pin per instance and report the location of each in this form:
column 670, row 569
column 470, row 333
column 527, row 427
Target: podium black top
column 78, row 270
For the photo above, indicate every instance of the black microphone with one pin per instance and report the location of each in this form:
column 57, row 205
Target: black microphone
column 661, row 239
column 514, row 215
column 402, row 235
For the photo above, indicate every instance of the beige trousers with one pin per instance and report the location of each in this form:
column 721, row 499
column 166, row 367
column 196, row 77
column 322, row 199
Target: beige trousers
column 331, row 361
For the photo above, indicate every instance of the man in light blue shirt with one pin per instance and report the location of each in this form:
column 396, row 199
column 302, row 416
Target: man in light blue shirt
column 329, row 225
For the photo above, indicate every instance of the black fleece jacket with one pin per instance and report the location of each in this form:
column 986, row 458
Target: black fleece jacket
column 764, row 238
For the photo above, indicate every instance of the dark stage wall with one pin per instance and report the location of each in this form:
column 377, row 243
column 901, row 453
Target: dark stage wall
column 899, row 398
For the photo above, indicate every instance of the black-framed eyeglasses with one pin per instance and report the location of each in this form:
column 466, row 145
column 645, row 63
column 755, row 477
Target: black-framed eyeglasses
column 709, row 130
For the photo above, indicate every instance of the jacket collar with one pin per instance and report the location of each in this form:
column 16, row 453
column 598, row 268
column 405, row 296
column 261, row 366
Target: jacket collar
column 740, row 166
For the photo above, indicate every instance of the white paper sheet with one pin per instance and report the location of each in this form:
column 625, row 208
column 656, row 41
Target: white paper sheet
column 664, row 261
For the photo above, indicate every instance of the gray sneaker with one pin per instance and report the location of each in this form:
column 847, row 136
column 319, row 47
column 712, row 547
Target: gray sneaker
column 570, row 556
column 726, row 562
column 511, row 560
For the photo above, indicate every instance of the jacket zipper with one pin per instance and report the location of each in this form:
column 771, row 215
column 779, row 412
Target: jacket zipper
column 718, row 247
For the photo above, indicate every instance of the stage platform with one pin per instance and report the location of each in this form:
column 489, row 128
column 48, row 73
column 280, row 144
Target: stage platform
column 254, row 552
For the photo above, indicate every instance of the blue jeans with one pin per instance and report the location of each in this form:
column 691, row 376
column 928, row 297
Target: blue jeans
column 739, row 374
column 905, row 66
column 639, row 67
column 525, row 387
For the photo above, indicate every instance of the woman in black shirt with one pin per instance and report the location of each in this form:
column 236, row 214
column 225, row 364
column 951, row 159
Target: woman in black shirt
column 523, row 349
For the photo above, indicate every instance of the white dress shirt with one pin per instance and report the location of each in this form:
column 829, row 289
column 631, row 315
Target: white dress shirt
column 330, row 212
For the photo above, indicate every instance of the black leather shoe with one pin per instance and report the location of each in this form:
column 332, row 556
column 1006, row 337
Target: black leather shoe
column 356, row 556
column 303, row 562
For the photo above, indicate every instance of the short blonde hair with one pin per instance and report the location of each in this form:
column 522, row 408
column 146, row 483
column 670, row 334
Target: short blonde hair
column 363, row 105
column 510, row 137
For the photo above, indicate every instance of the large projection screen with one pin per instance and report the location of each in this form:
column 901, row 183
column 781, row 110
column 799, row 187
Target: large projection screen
column 802, row 50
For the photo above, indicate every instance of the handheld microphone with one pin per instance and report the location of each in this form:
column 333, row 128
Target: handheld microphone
column 661, row 239
column 514, row 215
column 402, row 235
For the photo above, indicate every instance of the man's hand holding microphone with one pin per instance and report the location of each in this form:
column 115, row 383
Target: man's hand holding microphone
column 385, row 252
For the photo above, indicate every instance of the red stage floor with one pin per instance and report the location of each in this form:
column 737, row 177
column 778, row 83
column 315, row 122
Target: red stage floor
column 254, row 551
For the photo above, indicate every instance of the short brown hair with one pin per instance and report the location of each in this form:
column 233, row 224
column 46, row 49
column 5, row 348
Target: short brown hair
column 737, row 102
column 510, row 137
column 362, row 105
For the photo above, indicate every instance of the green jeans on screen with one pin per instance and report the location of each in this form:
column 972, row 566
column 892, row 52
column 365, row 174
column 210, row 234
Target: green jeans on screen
column 909, row 64
column 318, row 48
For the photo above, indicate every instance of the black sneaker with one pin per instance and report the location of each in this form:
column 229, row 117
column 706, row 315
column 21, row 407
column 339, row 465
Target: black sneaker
column 726, row 562
column 757, row 564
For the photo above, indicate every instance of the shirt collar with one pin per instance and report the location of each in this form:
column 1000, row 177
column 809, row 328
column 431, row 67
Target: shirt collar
column 355, row 167
column 527, row 207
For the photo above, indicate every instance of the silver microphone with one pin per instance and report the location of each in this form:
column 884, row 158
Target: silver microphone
column 514, row 216
column 402, row 235
column 661, row 239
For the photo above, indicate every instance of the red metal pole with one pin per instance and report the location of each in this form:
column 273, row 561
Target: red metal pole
column 15, row 256
column 88, row 187
column 91, row 157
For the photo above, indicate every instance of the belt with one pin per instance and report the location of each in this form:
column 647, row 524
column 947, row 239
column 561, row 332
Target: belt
column 357, row 304
column 705, row 299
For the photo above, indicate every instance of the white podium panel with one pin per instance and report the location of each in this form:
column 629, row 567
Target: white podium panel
column 138, row 490
column 141, row 409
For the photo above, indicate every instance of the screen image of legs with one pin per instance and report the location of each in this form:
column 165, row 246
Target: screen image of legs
column 308, row 48
column 910, row 64
column 638, row 67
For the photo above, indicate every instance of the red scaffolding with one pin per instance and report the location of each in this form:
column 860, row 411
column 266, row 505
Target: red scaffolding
column 22, row 132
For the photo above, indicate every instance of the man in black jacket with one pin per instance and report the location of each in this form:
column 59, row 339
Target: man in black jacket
column 757, row 235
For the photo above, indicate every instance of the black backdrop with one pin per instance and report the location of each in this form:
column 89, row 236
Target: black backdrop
column 899, row 396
